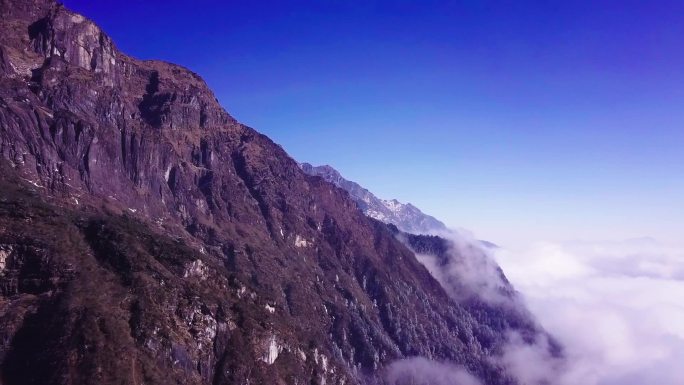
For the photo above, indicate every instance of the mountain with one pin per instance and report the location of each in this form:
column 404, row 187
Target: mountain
column 405, row 216
column 146, row 236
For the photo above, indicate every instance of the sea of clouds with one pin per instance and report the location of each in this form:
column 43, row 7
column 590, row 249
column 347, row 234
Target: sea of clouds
column 616, row 307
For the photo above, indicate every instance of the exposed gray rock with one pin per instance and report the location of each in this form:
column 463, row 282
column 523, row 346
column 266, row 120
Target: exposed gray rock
column 405, row 216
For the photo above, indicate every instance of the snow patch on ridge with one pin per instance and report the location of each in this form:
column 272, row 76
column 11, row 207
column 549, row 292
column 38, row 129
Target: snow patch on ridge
column 405, row 216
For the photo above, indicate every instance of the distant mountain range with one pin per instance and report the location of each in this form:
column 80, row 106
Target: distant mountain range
column 407, row 217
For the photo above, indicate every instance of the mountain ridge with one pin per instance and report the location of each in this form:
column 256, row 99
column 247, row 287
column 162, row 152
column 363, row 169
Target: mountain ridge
column 407, row 217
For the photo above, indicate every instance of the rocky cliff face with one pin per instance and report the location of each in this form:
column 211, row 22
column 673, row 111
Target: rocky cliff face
column 148, row 237
column 405, row 216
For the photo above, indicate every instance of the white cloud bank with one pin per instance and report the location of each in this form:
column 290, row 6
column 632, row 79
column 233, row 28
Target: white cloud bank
column 617, row 308
column 421, row 371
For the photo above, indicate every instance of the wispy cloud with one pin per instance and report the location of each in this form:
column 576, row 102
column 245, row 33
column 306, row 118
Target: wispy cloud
column 467, row 269
column 421, row 371
column 469, row 274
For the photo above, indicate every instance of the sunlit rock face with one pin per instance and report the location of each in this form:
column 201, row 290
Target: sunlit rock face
column 148, row 237
column 405, row 216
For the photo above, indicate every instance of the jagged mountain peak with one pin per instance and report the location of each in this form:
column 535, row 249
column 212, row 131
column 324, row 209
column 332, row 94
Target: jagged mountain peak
column 407, row 217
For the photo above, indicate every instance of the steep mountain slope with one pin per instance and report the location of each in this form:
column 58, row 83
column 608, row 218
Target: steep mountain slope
column 148, row 237
column 471, row 277
column 405, row 216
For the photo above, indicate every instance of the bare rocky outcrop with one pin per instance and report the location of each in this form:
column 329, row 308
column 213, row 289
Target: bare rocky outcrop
column 405, row 216
column 148, row 237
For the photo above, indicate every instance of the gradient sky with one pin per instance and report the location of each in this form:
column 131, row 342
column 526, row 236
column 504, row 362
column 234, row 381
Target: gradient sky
column 519, row 120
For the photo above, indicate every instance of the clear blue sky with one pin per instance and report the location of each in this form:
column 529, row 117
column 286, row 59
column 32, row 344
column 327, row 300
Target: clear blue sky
column 520, row 120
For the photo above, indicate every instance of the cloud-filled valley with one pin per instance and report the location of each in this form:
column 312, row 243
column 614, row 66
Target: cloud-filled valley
column 614, row 306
